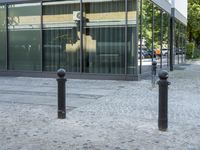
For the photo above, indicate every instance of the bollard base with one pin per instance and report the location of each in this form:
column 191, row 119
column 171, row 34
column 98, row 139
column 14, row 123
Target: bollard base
column 163, row 130
column 162, row 124
column 61, row 115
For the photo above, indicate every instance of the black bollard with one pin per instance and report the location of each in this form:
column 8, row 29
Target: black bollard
column 163, row 100
column 61, row 93
column 154, row 67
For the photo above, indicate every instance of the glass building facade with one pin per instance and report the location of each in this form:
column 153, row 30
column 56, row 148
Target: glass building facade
column 154, row 37
column 3, row 35
column 117, row 38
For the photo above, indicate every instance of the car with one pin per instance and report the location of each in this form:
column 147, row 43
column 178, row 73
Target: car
column 179, row 51
column 164, row 51
column 147, row 53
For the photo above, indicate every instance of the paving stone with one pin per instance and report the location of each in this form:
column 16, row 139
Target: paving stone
column 101, row 115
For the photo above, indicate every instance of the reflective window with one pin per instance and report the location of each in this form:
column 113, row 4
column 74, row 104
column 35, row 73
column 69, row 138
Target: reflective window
column 105, row 43
column 146, row 45
column 176, row 42
column 139, row 36
column 24, row 36
column 131, row 38
column 104, row 36
column 165, row 42
column 182, row 43
column 3, row 37
column 157, row 35
column 61, row 35
column 154, row 37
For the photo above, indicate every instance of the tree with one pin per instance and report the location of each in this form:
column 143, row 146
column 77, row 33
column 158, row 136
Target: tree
column 147, row 19
column 147, row 23
column 194, row 21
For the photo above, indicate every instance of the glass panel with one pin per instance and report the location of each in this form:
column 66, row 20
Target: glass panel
column 165, row 43
column 181, row 43
column 131, row 38
column 24, row 36
column 139, row 36
column 184, row 41
column 178, row 46
column 104, row 36
column 61, row 35
column 157, row 35
column 146, row 44
column 176, row 42
column 3, row 37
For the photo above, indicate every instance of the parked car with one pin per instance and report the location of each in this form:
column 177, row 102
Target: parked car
column 164, row 51
column 179, row 51
column 148, row 53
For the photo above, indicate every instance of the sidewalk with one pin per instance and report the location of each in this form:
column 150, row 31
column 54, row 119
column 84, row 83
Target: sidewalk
column 101, row 115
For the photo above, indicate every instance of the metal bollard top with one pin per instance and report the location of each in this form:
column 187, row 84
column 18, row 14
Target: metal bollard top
column 163, row 74
column 154, row 63
column 61, row 73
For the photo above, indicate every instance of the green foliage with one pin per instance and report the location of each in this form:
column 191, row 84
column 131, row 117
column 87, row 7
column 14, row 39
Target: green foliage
column 147, row 23
column 193, row 28
column 194, row 21
column 147, row 19
column 196, row 53
column 190, row 50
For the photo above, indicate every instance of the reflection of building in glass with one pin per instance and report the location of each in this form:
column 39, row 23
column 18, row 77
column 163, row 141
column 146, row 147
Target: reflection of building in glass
column 92, row 38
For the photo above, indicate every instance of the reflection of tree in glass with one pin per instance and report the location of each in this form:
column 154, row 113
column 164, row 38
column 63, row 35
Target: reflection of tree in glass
column 176, row 35
column 147, row 19
column 165, row 30
column 157, row 27
column 2, row 15
column 147, row 23
column 193, row 26
column 13, row 20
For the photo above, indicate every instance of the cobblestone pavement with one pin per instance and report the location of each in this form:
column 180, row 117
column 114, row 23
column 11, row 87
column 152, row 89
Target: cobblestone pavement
column 102, row 115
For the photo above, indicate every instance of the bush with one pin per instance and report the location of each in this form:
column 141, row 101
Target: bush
column 196, row 53
column 190, row 50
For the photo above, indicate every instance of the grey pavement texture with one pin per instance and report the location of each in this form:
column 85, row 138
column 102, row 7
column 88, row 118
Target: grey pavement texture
column 101, row 115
